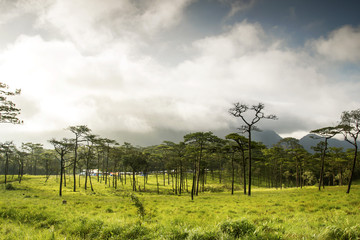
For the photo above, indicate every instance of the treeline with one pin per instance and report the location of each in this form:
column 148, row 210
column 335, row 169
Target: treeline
column 187, row 166
column 188, row 163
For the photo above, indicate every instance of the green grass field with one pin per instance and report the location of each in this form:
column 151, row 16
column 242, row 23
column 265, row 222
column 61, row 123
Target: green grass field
column 35, row 211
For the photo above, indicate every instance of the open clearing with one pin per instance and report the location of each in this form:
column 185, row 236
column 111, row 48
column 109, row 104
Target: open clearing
column 35, row 211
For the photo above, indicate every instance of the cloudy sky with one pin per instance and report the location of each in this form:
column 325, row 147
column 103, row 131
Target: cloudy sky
column 145, row 71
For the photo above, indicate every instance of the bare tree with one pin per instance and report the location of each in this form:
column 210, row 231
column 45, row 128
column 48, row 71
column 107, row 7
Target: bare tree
column 239, row 110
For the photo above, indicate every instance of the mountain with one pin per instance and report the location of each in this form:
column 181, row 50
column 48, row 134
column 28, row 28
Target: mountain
column 270, row 138
column 312, row 140
column 267, row 137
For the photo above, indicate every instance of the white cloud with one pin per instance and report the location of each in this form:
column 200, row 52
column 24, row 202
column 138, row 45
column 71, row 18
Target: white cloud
column 93, row 24
column 97, row 74
column 11, row 9
column 238, row 40
column 240, row 65
column 342, row 45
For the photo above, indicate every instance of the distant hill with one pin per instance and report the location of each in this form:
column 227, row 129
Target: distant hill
column 270, row 138
column 307, row 141
column 267, row 137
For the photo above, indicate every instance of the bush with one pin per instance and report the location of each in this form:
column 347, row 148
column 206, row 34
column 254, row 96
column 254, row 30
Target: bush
column 334, row 232
column 214, row 189
column 177, row 234
column 112, row 232
column 9, row 186
column 200, row 234
column 109, row 210
column 237, row 228
column 137, row 231
column 86, row 228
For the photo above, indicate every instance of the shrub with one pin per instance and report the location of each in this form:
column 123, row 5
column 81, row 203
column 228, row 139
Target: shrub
column 112, row 232
column 214, row 188
column 237, row 228
column 9, row 186
column 109, row 210
column 137, row 231
column 200, row 234
column 177, row 233
column 86, row 228
column 334, row 232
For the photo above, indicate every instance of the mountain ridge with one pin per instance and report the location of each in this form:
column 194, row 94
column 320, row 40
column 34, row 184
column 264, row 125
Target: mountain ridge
column 269, row 138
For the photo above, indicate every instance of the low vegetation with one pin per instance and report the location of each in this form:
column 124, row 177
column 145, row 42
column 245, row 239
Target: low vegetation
column 32, row 209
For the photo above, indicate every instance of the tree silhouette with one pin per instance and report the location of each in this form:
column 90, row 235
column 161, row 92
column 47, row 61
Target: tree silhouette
column 241, row 142
column 350, row 128
column 326, row 133
column 198, row 141
column 62, row 147
column 239, row 110
column 79, row 131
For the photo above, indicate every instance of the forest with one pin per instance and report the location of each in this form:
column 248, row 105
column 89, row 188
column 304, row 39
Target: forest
column 202, row 169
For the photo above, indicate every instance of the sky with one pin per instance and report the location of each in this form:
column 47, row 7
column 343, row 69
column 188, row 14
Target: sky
column 146, row 71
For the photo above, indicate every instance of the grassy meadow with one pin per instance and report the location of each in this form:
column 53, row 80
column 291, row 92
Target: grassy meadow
column 34, row 210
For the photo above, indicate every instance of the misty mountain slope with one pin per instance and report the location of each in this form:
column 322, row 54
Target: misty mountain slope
column 267, row 137
column 308, row 142
column 270, row 138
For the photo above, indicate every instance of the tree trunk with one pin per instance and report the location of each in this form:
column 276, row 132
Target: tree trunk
column 134, row 182
column 203, row 179
column 6, row 166
column 164, row 176
column 249, row 146
column 107, row 165
column 157, row 182
column 322, row 165
column 198, row 175
column 341, row 176
column 193, row 182
column 232, row 175
column 98, row 166
column 61, row 174
column 64, row 176
column 297, row 172
column 176, row 181
column 86, row 177
column 92, row 189
column 172, row 181
column 353, row 168
column 181, row 179
column 281, row 183
column 75, row 160
column 21, row 171
column 144, row 181
column 220, row 169
column 244, row 170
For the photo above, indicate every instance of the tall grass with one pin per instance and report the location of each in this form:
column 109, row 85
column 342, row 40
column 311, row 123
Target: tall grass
column 33, row 210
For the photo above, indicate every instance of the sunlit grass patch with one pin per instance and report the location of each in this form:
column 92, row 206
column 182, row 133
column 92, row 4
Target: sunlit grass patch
column 35, row 207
